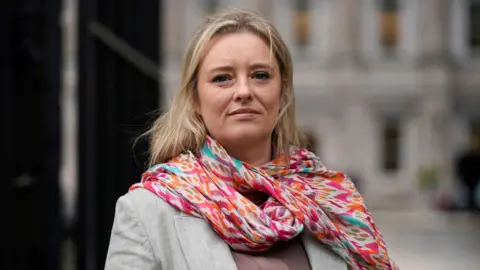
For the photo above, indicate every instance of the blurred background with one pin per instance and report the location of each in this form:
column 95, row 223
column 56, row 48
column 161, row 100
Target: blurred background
column 388, row 91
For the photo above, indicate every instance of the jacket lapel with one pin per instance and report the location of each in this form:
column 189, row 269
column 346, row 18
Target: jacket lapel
column 201, row 246
column 320, row 257
column 203, row 249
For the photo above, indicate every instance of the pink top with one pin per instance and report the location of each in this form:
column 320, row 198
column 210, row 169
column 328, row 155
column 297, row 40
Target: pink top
column 284, row 256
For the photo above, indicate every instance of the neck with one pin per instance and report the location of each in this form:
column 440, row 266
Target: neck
column 254, row 154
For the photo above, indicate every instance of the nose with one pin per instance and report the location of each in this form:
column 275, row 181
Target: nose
column 243, row 92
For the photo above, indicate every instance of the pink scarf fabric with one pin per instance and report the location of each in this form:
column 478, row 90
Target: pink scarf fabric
column 305, row 195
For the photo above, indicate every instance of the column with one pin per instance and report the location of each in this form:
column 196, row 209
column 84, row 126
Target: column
column 433, row 31
column 282, row 18
column 409, row 16
column 459, row 29
column 69, row 111
column 320, row 16
column 436, row 140
column 172, row 23
column 343, row 32
column 329, row 128
column 369, row 29
column 193, row 15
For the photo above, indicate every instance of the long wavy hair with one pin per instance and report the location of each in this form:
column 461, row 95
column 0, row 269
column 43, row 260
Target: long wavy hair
column 180, row 128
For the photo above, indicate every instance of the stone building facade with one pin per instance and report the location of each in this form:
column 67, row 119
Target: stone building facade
column 387, row 88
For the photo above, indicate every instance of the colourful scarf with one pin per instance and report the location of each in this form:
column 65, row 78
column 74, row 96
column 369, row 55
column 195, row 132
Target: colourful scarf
column 304, row 195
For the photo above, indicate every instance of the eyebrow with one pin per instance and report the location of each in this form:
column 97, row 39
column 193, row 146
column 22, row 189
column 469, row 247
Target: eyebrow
column 230, row 67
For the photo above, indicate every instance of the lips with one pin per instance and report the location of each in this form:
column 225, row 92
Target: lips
column 244, row 111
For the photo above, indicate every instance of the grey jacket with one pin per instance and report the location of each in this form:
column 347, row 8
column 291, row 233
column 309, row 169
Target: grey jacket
column 149, row 234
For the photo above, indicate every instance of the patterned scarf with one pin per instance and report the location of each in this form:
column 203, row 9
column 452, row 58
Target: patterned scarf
column 304, row 195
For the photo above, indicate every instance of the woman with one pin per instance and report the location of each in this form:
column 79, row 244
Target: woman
column 232, row 186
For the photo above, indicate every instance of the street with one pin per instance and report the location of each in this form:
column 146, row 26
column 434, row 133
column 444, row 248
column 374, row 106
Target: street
column 432, row 240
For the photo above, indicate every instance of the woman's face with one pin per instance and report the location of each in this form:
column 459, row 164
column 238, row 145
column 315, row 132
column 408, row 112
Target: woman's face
column 239, row 87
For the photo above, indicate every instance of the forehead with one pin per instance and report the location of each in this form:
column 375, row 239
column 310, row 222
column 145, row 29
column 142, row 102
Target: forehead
column 236, row 48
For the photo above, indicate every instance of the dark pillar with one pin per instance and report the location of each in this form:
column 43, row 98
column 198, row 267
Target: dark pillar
column 30, row 86
column 5, row 133
column 115, row 101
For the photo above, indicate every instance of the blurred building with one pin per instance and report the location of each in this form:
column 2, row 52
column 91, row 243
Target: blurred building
column 388, row 88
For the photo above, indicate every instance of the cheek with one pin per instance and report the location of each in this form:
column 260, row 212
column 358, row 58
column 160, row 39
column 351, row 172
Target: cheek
column 205, row 101
column 274, row 104
column 211, row 106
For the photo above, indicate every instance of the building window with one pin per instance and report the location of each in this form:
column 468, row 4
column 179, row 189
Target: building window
column 389, row 25
column 474, row 25
column 391, row 145
column 302, row 22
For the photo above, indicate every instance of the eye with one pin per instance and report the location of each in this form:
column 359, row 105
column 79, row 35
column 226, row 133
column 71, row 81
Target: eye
column 221, row 79
column 261, row 76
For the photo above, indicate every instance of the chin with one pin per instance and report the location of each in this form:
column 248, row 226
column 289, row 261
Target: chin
column 245, row 133
column 246, row 136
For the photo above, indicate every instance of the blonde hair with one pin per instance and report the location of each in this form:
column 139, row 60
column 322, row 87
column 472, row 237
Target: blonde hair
column 181, row 128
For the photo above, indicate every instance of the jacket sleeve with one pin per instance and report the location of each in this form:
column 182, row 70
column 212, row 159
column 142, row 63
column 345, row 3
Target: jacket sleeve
column 129, row 246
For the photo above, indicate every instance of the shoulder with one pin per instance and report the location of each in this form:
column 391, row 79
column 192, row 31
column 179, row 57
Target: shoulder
column 157, row 219
column 142, row 232
column 145, row 204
